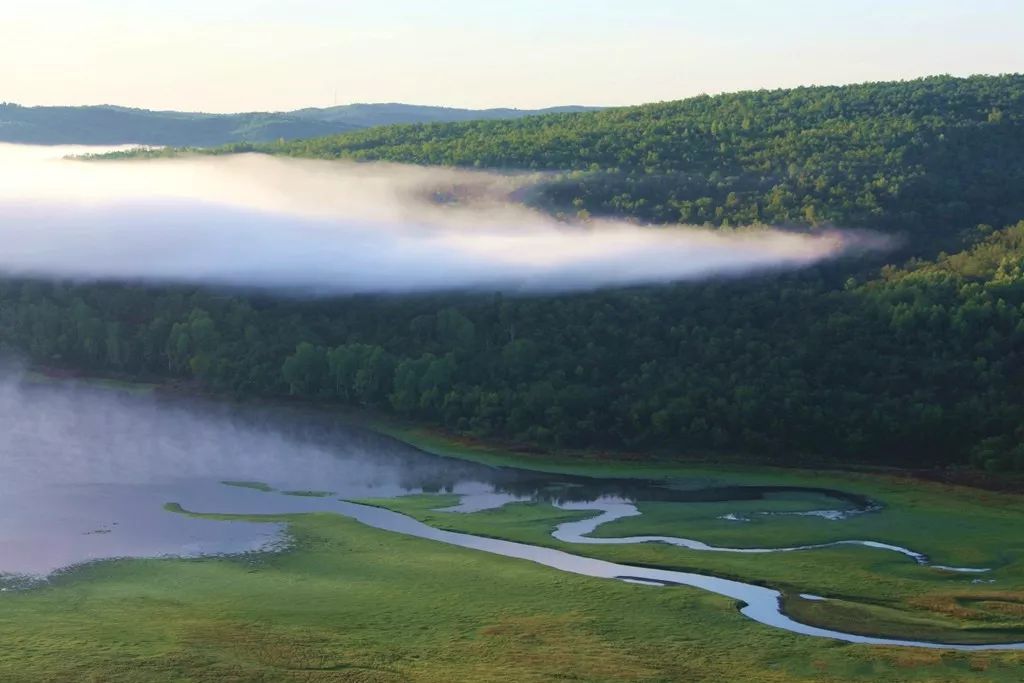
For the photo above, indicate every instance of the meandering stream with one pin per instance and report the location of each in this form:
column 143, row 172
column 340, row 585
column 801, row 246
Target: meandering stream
column 612, row 509
column 760, row 604
column 85, row 473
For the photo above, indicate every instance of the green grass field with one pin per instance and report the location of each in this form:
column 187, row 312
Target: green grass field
column 350, row 603
column 870, row 591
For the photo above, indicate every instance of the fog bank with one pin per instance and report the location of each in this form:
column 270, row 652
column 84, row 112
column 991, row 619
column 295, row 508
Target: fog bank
column 333, row 227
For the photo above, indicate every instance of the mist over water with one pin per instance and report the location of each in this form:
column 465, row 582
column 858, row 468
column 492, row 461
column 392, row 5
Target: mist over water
column 71, row 433
column 331, row 227
column 85, row 473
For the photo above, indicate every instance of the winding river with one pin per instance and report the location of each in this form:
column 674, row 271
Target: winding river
column 760, row 604
column 611, row 510
column 85, row 473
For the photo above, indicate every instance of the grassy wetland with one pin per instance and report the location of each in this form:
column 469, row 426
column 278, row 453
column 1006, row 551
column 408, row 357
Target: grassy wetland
column 351, row 603
column 869, row 590
column 345, row 602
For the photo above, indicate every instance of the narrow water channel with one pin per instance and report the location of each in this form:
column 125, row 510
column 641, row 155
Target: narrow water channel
column 85, row 472
column 759, row 603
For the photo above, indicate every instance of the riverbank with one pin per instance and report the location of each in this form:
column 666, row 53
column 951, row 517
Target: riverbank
column 434, row 440
column 351, row 603
column 871, row 591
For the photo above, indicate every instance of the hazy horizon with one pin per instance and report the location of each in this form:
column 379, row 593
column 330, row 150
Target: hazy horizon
column 300, row 108
column 263, row 56
column 556, row 105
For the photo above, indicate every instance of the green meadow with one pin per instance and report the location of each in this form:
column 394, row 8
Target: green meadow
column 869, row 591
column 346, row 602
column 350, row 603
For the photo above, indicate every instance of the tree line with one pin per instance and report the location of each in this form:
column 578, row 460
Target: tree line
column 918, row 362
column 920, row 366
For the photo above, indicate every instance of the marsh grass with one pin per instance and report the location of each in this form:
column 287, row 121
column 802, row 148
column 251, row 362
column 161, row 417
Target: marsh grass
column 351, row 603
column 870, row 591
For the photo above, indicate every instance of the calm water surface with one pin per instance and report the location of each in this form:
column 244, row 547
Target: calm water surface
column 85, row 473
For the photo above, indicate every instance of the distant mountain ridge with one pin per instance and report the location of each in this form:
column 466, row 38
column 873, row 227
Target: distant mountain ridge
column 363, row 115
column 112, row 125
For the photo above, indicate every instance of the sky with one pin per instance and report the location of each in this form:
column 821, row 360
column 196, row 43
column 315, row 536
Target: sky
column 270, row 55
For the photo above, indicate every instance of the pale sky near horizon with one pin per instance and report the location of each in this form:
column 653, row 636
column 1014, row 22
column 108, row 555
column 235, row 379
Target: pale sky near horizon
column 246, row 55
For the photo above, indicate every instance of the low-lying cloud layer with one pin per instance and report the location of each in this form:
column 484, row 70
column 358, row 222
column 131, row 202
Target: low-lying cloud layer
column 338, row 227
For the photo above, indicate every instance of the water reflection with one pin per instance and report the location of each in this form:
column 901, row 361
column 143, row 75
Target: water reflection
column 85, row 471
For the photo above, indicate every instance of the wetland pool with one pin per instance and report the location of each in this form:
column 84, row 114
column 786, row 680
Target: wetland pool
column 86, row 472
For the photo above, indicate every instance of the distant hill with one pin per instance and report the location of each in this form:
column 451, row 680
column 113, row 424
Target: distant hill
column 930, row 158
column 368, row 115
column 111, row 125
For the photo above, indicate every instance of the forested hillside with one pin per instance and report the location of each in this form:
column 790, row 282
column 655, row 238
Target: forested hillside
column 920, row 362
column 925, row 157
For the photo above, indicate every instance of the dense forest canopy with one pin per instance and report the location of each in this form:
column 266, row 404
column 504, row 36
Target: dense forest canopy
column 927, row 158
column 920, row 362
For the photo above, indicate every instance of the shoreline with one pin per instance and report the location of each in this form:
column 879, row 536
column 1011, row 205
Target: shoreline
column 436, row 441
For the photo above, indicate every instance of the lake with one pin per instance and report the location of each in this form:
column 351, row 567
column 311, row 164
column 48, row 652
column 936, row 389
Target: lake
column 86, row 473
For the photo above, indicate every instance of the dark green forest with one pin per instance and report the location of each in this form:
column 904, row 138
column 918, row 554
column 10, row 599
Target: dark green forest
column 917, row 362
column 930, row 158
